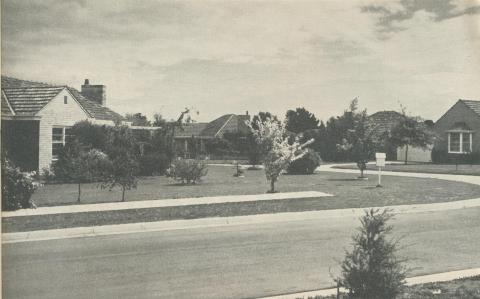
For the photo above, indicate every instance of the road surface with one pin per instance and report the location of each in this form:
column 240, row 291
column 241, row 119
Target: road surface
column 243, row 261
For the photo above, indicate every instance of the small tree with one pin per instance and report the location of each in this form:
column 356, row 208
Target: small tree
column 271, row 136
column 359, row 142
column 76, row 164
column 372, row 269
column 124, row 166
column 411, row 131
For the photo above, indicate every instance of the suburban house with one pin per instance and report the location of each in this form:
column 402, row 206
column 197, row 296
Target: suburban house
column 458, row 129
column 36, row 118
column 383, row 123
column 192, row 137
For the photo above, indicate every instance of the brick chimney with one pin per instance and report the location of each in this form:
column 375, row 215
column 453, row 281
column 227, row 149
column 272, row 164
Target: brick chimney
column 96, row 93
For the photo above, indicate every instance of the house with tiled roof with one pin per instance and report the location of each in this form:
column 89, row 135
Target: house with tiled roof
column 194, row 135
column 382, row 123
column 36, row 118
column 458, row 130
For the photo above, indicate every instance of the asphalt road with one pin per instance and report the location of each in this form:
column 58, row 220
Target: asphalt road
column 225, row 262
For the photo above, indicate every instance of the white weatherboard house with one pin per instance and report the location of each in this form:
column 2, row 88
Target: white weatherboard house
column 36, row 118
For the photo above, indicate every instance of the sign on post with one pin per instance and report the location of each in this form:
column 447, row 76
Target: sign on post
column 380, row 160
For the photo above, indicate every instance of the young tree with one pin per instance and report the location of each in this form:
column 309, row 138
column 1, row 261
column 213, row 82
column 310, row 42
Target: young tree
column 78, row 165
column 372, row 269
column 300, row 120
column 272, row 138
column 359, row 141
column 123, row 157
column 411, row 131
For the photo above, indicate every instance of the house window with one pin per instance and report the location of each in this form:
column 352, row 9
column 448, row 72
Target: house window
column 459, row 142
column 65, row 99
column 60, row 136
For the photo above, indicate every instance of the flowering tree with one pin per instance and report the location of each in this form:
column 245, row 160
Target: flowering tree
column 278, row 153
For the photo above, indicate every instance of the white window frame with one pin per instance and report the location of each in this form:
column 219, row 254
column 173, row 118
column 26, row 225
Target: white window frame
column 462, row 150
column 62, row 142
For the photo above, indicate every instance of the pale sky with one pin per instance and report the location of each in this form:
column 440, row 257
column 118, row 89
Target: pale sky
column 232, row 56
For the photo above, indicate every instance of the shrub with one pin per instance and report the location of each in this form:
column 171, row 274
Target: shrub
column 17, row 188
column 305, row 165
column 47, row 175
column 90, row 135
column 372, row 270
column 187, row 171
column 153, row 164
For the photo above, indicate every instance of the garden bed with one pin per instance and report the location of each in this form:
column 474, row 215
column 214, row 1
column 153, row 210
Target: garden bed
column 456, row 289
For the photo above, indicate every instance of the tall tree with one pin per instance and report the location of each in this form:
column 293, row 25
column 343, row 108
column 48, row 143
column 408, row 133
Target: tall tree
column 278, row 153
column 300, row 120
column 411, row 131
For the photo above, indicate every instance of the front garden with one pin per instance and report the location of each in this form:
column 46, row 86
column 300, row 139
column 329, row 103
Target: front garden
column 348, row 192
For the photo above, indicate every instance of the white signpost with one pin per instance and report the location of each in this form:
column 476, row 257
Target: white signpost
column 380, row 157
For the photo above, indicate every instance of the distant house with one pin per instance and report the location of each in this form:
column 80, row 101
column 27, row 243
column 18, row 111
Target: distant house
column 383, row 123
column 193, row 136
column 36, row 118
column 458, row 129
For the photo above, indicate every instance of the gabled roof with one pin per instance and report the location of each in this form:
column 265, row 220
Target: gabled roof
column 93, row 108
column 214, row 128
column 28, row 98
column 6, row 109
column 189, row 130
column 474, row 105
column 384, row 121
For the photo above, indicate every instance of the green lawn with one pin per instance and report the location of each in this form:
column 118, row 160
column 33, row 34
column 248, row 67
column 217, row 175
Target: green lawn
column 220, row 181
column 348, row 193
column 426, row 168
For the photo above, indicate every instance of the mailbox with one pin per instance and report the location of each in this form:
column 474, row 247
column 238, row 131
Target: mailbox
column 380, row 157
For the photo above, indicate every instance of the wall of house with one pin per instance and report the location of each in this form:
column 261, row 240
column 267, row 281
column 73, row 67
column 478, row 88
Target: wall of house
column 56, row 113
column 415, row 154
column 458, row 113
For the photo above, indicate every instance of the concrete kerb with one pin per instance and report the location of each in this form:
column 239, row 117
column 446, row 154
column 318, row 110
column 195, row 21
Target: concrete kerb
column 437, row 277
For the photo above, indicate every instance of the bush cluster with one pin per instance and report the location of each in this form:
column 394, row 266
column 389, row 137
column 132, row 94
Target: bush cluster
column 17, row 187
column 187, row 171
column 305, row 165
column 153, row 164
